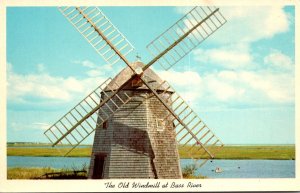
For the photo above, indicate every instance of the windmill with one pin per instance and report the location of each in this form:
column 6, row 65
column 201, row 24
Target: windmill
column 139, row 120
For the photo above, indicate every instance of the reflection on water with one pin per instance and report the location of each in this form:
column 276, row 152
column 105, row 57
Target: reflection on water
column 53, row 162
column 246, row 168
column 230, row 168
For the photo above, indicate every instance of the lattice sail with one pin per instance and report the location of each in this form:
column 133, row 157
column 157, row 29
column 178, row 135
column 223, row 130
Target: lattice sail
column 97, row 29
column 187, row 33
column 193, row 135
column 90, row 113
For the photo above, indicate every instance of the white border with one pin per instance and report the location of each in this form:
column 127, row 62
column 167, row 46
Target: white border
column 291, row 184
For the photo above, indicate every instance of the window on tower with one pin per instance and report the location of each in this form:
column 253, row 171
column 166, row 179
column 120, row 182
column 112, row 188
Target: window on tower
column 136, row 82
column 160, row 125
column 104, row 125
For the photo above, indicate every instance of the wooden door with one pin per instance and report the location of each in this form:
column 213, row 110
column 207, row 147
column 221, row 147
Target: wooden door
column 99, row 166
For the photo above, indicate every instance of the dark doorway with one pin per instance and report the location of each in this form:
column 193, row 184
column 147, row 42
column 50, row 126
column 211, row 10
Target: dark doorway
column 99, row 165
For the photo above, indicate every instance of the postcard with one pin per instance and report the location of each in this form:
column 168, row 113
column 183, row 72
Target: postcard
column 149, row 96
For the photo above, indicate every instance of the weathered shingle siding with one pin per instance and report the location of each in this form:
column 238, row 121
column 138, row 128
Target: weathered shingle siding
column 163, row 142
column 134, row 147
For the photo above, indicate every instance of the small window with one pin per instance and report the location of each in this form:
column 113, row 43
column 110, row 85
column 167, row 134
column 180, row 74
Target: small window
column 104, row 125
column 160, row 124
column 136, row 82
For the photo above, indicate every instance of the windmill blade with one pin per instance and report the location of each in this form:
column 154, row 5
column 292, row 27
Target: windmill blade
column 89, row 114
column 192, row 133
column 97, row 29
column 187, row 33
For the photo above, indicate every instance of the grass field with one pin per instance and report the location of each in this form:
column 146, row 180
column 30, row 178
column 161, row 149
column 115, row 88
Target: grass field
column 39, row 173
column 34, row 173
column 249, row 152
column 279, row 152
column 28, row 173
column 48, row 152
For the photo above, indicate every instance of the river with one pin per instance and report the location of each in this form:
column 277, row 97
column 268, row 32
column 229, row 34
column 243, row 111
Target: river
column 230, row 168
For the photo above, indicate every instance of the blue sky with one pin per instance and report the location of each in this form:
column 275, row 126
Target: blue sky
column 240, row 81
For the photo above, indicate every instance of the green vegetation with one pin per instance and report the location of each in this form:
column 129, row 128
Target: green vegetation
column 188, row 172
column 47, row 173
column 279, row 152
column 28, row 173
column 18, row 144
column 48, row 152
column 39, row 173
column 37, row 144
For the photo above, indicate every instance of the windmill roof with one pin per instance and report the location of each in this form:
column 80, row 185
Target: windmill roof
column 149, row 75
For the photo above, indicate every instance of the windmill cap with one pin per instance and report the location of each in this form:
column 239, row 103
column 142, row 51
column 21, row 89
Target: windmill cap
column 149, row 75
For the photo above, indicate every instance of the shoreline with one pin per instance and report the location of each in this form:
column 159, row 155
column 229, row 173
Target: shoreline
column 274, row 159
column 228, row 152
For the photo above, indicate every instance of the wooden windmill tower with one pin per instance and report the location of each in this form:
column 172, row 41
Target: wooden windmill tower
column 139, row 119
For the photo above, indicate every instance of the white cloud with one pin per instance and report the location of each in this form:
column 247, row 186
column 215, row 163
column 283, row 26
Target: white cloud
column 188, row 82
column 40, row 126
column 227, row 87
column 41, row 67
column 278, row 87
column 181, row 78
column 278, row 60
column 221, row 86
column 248, row 24
column 47, row 88
column 15, row 126
column 233, row 56
column 245, row 25
column 88, row 64
column 97, row 70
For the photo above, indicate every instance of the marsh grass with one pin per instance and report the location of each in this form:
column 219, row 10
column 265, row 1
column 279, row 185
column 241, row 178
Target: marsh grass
column 48, row 152
column 188, row 172
column 40, row 173
column 247, row 152
column 227, row 152
column 28, row 173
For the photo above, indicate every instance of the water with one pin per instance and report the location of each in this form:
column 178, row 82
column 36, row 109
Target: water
column 53, row 162
column 231, row 168
column 247, row 168
column 47, row 146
